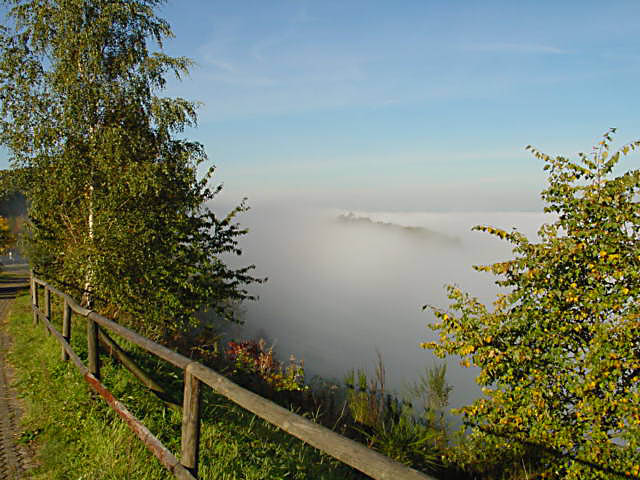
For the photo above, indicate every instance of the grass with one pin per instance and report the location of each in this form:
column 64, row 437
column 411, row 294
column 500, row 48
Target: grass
column 80, row 437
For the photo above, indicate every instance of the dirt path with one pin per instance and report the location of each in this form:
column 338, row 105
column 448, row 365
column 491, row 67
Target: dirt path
column 15, row 459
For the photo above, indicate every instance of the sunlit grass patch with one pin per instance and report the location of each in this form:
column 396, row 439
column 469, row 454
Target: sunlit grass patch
column 80, row 437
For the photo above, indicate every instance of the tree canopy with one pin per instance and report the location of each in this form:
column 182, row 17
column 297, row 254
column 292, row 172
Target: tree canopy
column 116, row 206
column 559, row 353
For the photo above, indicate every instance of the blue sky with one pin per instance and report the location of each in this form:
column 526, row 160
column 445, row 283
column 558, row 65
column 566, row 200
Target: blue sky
column 411, row 105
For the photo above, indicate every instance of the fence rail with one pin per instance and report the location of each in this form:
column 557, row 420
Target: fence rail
column 352, row 453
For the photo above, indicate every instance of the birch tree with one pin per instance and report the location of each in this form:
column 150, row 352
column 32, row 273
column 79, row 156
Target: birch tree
column 117, row 209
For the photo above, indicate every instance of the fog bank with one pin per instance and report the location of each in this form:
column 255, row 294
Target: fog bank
column 338, row 290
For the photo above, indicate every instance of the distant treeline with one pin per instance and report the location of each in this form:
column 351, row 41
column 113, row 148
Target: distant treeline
column 425, row 233
column 13, row 204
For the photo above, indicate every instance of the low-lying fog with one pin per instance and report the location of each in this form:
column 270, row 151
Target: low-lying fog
column 343, row 284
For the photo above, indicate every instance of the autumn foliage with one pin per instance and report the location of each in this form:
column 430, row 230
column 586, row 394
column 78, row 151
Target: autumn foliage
column 253, row 358
column 6, row 237
column 559, row 353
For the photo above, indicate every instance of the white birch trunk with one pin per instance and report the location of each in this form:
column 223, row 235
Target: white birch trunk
column 87, row 297
column 89, row 276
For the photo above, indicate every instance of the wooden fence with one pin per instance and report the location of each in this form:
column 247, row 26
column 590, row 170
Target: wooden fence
column 347, row 451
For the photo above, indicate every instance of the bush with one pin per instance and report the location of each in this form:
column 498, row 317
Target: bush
column 560, row 353
column 251, row 357
column 391, row 425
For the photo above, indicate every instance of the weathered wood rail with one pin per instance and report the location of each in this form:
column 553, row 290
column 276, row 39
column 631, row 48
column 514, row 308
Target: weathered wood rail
column 352, row 453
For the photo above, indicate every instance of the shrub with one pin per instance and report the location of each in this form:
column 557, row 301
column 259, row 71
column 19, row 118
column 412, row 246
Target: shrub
column 560, row 353
column 251, row 357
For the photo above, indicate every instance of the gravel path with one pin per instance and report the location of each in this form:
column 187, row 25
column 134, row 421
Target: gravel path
column 15, row 458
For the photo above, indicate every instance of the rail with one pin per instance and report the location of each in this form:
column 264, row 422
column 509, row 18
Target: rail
column 352, row 453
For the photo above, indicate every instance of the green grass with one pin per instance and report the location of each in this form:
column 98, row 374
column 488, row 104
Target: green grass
column 80, row 437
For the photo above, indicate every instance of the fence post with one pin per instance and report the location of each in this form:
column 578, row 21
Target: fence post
column 92, row 344
column 47, row 307
column 34, row 297
column 191, row 422
column 66, row 327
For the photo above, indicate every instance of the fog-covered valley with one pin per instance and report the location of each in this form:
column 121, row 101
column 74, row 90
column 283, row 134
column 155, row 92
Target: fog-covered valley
column 343, row 284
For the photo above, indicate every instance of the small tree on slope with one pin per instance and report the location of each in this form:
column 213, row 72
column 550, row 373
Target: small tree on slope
column 560, row 353
column 115, row 204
